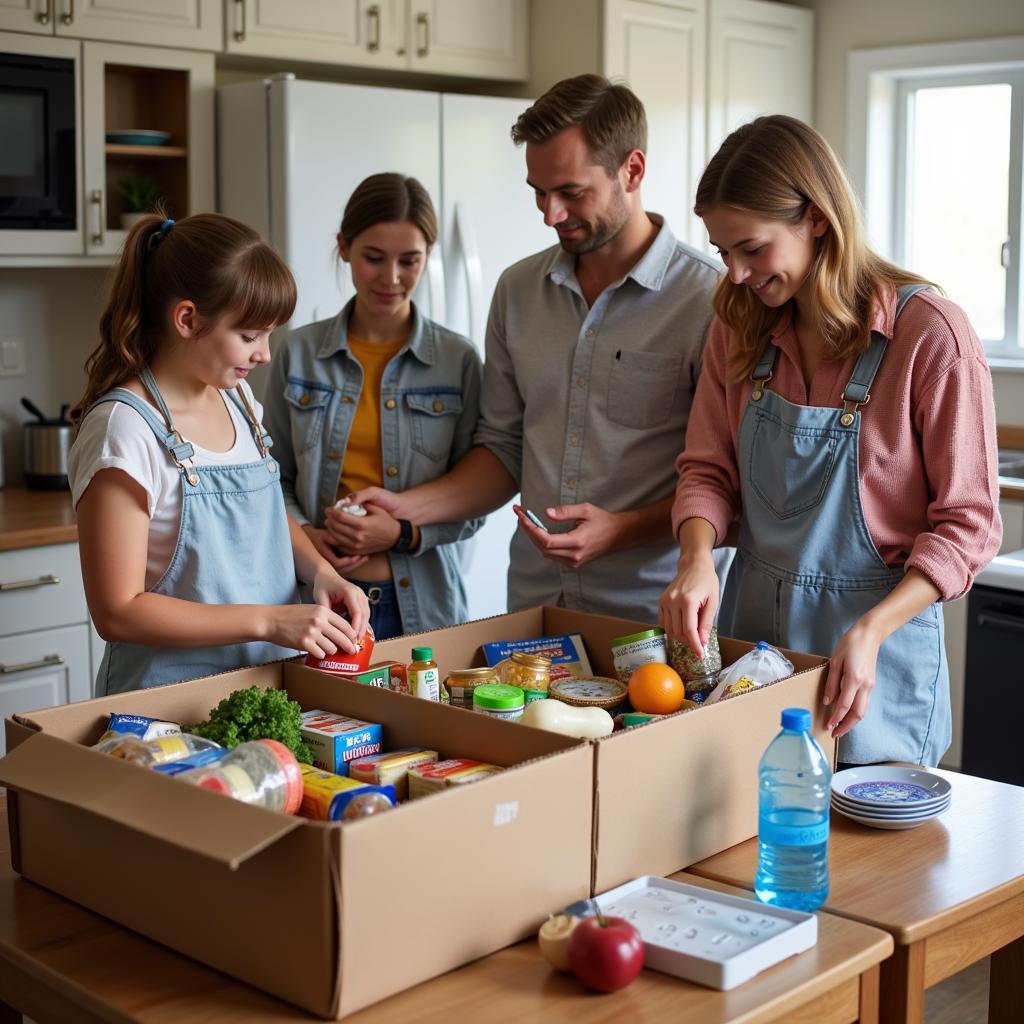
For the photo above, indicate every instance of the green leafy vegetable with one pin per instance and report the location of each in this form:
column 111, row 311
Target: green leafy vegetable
column 256, row 714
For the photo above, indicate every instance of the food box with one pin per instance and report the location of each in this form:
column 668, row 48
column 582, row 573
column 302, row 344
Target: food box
column 300, row 908
column 334, row 740
column 677, row 789
column 567, row 654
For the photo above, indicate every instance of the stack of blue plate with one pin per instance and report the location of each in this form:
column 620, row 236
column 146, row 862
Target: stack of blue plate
column 894, row 798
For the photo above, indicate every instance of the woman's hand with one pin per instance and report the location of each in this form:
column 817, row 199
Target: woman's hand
column 312, row 628
column 851, row 677
column 331, row 591
column 687, row 609
column 361, row 535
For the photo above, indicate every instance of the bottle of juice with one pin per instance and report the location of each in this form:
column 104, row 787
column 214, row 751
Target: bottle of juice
column 424, row 678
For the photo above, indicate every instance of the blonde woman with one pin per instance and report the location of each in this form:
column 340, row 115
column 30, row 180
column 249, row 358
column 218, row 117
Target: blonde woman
column 844, row 417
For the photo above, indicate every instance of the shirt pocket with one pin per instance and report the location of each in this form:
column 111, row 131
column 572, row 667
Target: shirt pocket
column 433, row 417
column 790, row 467
column 307, row 410
column 642, row 388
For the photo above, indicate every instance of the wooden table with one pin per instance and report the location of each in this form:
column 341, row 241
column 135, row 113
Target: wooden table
column 61, row 963
column 950, row 892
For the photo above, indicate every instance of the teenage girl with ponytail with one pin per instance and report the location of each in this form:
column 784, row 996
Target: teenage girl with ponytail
column 191, row 564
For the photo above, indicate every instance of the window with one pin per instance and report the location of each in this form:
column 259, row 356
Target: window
column 938, row 146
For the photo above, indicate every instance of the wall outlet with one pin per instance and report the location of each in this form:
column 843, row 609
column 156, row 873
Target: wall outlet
column 12, row 357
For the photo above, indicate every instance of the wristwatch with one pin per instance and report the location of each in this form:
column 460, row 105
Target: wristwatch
column 404, row 542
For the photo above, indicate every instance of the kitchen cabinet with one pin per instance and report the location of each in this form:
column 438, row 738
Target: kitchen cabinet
column 194, row 24
column 44, row 630
column 125, row 87
column 472, row 38
column 701, row 68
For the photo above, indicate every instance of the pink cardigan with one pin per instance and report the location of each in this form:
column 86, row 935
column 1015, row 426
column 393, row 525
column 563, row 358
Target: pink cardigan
column 928, row 470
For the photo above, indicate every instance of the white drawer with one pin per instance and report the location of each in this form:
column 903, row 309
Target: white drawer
column 29, row 597
column 43, row 669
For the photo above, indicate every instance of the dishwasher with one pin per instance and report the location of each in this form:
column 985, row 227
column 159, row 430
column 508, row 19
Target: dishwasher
column 994, row 678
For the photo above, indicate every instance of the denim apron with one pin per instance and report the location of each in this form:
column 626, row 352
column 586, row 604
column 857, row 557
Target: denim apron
column 806, row 568
column 233, row 548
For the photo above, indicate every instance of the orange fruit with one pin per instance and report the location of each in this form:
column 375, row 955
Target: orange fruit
column 656, row 689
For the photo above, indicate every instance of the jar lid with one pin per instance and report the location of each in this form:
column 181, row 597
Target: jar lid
column 589, row 691
column 530, row 660
column 469, row 675
column 423, row 654
column 632, row 638
column 498, row 696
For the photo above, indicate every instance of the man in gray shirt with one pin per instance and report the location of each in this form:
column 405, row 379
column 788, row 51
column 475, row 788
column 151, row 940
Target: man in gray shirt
column 592, row 354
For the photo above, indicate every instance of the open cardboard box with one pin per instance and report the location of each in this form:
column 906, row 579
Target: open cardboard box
column 329, row 917
column 674, row 791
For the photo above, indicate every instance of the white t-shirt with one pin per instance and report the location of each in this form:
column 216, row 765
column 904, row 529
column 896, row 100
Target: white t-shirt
column 115, row 436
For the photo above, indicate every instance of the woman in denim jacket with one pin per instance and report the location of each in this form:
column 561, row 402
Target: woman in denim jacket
column 379, row 395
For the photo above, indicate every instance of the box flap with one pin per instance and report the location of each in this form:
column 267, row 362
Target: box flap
column 224, row 830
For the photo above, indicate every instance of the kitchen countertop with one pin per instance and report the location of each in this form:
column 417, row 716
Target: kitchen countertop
column 30, row 519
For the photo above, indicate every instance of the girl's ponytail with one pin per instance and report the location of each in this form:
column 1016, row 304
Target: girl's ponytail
column 218, row 263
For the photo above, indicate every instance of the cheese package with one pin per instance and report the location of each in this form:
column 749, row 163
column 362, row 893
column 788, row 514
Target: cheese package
column 392, row 768
column 432, row 778
column 336, row 740
column 567, row 654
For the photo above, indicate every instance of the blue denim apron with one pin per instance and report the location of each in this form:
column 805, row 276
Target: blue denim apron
column 233, row 548
column 806, row 568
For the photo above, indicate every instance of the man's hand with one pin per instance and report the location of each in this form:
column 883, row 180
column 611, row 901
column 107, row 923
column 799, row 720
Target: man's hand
column 342, row 564
column 361, row 535
column 395, row 503
column 594, row 534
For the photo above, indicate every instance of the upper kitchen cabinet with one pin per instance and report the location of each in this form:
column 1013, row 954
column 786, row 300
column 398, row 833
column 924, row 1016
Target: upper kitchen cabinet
column 476, row 38
column 472, row 38
column 192, row 24
column 760, row 61
column 105, row 116
column 701, row 67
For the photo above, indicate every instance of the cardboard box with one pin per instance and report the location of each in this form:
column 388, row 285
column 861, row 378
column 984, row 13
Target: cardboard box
column 334, row 740
column 329, row 917
column 674, row 791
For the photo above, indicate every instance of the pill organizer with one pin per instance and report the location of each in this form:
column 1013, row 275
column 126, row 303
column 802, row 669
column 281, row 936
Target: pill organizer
column 707, row 936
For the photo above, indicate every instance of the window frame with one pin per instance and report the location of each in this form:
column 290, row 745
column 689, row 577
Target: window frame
column 880, row 81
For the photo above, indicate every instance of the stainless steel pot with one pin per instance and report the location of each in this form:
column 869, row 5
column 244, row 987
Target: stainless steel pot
column 47, row 444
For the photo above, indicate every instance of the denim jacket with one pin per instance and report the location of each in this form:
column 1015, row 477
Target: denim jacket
column 430, row 395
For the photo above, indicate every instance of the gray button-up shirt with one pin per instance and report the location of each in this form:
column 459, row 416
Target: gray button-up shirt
column 591, row 404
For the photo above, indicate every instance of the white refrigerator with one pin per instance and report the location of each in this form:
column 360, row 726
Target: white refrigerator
column 291, row 152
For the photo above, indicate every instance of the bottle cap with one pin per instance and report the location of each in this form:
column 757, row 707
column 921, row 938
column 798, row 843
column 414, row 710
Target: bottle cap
column 423, row 654
column 292, row 774
column 762, row 645
column 796, row 719
column 498, row 697
column 632, row 638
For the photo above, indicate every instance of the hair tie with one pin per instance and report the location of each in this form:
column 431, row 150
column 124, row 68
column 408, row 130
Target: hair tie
column 165, row 227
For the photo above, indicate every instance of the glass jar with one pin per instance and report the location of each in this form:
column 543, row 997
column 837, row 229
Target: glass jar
column 461, row 683
column 530, row 672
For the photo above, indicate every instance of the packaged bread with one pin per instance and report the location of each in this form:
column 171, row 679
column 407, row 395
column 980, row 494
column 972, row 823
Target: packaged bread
column 392, row 768
column 432, row 778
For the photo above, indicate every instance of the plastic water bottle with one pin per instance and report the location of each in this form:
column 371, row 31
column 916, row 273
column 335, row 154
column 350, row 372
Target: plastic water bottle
column 793, row 802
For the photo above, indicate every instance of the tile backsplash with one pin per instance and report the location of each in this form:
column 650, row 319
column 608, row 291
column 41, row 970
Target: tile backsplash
column 54, row 311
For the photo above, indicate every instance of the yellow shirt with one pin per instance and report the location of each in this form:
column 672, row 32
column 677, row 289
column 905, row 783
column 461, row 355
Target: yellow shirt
column 364, row 460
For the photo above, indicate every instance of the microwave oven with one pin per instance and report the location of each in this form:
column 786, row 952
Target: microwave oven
column 38, row 155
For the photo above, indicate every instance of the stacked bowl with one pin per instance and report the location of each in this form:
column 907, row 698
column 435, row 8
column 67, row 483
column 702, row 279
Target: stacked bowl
column 889, row 797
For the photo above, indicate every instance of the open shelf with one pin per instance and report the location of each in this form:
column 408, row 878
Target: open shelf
column 145, row 152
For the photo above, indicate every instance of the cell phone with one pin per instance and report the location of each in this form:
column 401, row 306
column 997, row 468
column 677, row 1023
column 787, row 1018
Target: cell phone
column 535, row 519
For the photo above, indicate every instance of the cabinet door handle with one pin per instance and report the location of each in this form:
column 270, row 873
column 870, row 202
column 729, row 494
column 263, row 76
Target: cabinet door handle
column 1001, row 621
column 373, row 17
column 423, row 21
column 43, row 17
column 68, row 16
column 96, row 199
column 42, row 581
column 50, row 659
column 240, row 31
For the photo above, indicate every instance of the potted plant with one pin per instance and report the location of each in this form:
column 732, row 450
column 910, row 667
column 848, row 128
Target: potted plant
column 139, row 195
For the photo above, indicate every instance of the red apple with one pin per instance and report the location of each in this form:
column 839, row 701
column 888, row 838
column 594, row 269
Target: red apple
column 605, row 953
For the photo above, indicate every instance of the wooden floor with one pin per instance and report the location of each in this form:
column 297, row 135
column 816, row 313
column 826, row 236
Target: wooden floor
column 962, row 999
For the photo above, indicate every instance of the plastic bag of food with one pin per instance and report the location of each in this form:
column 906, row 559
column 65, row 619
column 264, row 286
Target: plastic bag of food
column 763, row 664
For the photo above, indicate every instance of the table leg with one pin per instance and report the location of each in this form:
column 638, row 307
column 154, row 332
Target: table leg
column 901, row 1000
column 1006, row 984
column 869, row 984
